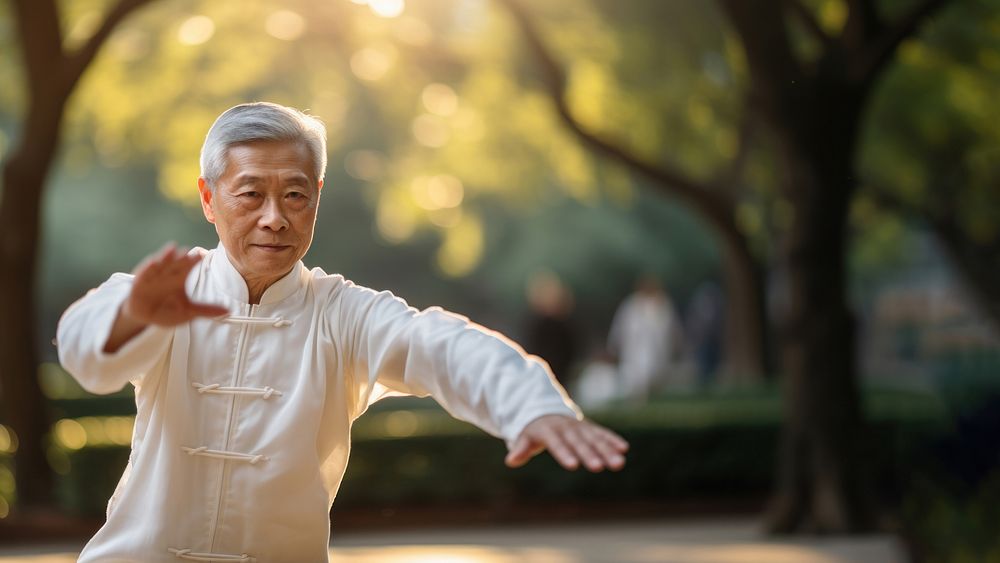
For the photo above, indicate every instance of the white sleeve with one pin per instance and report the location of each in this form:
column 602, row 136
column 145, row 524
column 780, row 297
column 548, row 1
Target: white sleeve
column 83, row 331
column 476, row 374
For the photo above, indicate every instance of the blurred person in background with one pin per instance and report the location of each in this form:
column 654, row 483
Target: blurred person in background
column 704, row 328
column 249, row 368
column 550, row 332
column 645, row 337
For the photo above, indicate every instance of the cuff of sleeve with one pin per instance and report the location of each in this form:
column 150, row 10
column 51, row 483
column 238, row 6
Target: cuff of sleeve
column 130, row 355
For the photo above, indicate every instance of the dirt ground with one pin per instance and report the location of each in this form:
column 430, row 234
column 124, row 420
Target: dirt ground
column 734, row 540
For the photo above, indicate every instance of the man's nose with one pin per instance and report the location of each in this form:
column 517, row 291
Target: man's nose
column 273, row 216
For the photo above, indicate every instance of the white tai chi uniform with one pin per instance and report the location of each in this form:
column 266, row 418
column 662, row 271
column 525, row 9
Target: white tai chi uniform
column 243, row 426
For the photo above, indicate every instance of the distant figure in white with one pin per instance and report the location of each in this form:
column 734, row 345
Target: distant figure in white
column 645, row 336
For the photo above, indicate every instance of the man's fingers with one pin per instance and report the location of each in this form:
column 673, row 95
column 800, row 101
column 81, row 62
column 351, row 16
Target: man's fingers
column 561, row 450
column 608, row 446
column 614, row 439
column 156, row 263
column 164, row 254
column 608, row 438
column 155, row 260
column 167, row 270
column 183, row 265
column 609, row 451
column 528, row 446
column 521, row 452
column 584, row 447
column 571, row 442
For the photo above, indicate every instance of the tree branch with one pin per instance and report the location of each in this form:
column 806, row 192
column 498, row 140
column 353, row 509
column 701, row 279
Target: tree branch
column 41, row 40
column 863, row 23
column 711, row 205
column 773, row 66
column 879, row 51
column 78, row 62
column 808, row 20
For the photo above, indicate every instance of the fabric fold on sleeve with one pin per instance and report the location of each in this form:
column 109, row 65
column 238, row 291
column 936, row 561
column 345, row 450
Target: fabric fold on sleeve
column 476, row 374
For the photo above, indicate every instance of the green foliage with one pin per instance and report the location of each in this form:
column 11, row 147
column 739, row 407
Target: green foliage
column 443, row 91
column 943, row 527
column 931, row 137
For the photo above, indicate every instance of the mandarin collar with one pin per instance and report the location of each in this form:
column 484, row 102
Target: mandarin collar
column 229, row 281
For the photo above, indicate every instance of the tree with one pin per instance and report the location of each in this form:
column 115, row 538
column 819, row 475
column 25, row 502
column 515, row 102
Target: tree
column 52, row 73
column 814, row 108
column 936, row 149
column 811, row 95
column 710, row 201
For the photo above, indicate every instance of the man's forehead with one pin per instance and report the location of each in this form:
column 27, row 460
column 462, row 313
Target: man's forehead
column 257, row 157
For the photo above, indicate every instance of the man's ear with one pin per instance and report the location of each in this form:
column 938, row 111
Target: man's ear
column 206, row 200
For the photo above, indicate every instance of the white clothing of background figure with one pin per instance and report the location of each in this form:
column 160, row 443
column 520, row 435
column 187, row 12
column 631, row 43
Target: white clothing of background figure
column 644, row 335
column 249, row 368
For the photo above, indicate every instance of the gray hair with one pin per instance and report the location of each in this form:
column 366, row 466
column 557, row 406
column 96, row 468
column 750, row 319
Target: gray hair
column 260, row 121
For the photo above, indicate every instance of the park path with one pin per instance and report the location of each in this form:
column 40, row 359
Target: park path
column 707, row 541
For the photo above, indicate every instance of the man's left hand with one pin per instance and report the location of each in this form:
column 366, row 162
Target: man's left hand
column 571, row 442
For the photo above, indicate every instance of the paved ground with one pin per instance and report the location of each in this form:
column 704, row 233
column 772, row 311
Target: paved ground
column 709, row 541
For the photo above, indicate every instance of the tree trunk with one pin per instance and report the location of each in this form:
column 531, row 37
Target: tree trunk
column 743, row 336
column 821, row 485
column 25, row 411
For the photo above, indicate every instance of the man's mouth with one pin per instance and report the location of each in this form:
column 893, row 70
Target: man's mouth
column 272, row 247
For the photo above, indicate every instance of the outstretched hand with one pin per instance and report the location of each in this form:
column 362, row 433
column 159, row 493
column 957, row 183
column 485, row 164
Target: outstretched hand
column 571, row 442
column 158, row 297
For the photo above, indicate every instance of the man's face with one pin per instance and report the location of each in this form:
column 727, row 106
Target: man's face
column 264, row 207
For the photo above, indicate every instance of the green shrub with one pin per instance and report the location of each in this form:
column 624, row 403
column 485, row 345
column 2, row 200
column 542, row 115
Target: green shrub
column 697, row 447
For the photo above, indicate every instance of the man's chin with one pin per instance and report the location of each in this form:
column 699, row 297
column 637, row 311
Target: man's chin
column 267, row 263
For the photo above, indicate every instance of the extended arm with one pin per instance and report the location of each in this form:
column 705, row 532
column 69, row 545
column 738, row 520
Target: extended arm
column 118, row 331
column 476, row 374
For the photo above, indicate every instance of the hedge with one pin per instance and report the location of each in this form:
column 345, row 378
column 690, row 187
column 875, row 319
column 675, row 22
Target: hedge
column 697, row 447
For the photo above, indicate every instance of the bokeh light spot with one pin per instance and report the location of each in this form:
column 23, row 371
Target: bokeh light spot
column 71, row 434
column 196, row 30
column 445, row 218
column 445, row 190
column 440, row 99
column 401, row 424
column 394, row 218
column 462, row 247
column 7, row 484
column 7, row 440
column 285, row 25
column 371, row 63
column 387, row 8
column 430, row 130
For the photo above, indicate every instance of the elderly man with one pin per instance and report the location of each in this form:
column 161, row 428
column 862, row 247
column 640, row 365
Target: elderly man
column 249, row 368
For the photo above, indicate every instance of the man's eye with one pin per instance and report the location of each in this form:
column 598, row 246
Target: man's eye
column 296, row 195
column 249, row 194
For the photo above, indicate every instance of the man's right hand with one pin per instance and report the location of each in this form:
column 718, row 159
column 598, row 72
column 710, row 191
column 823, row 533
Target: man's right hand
column 158, row 297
